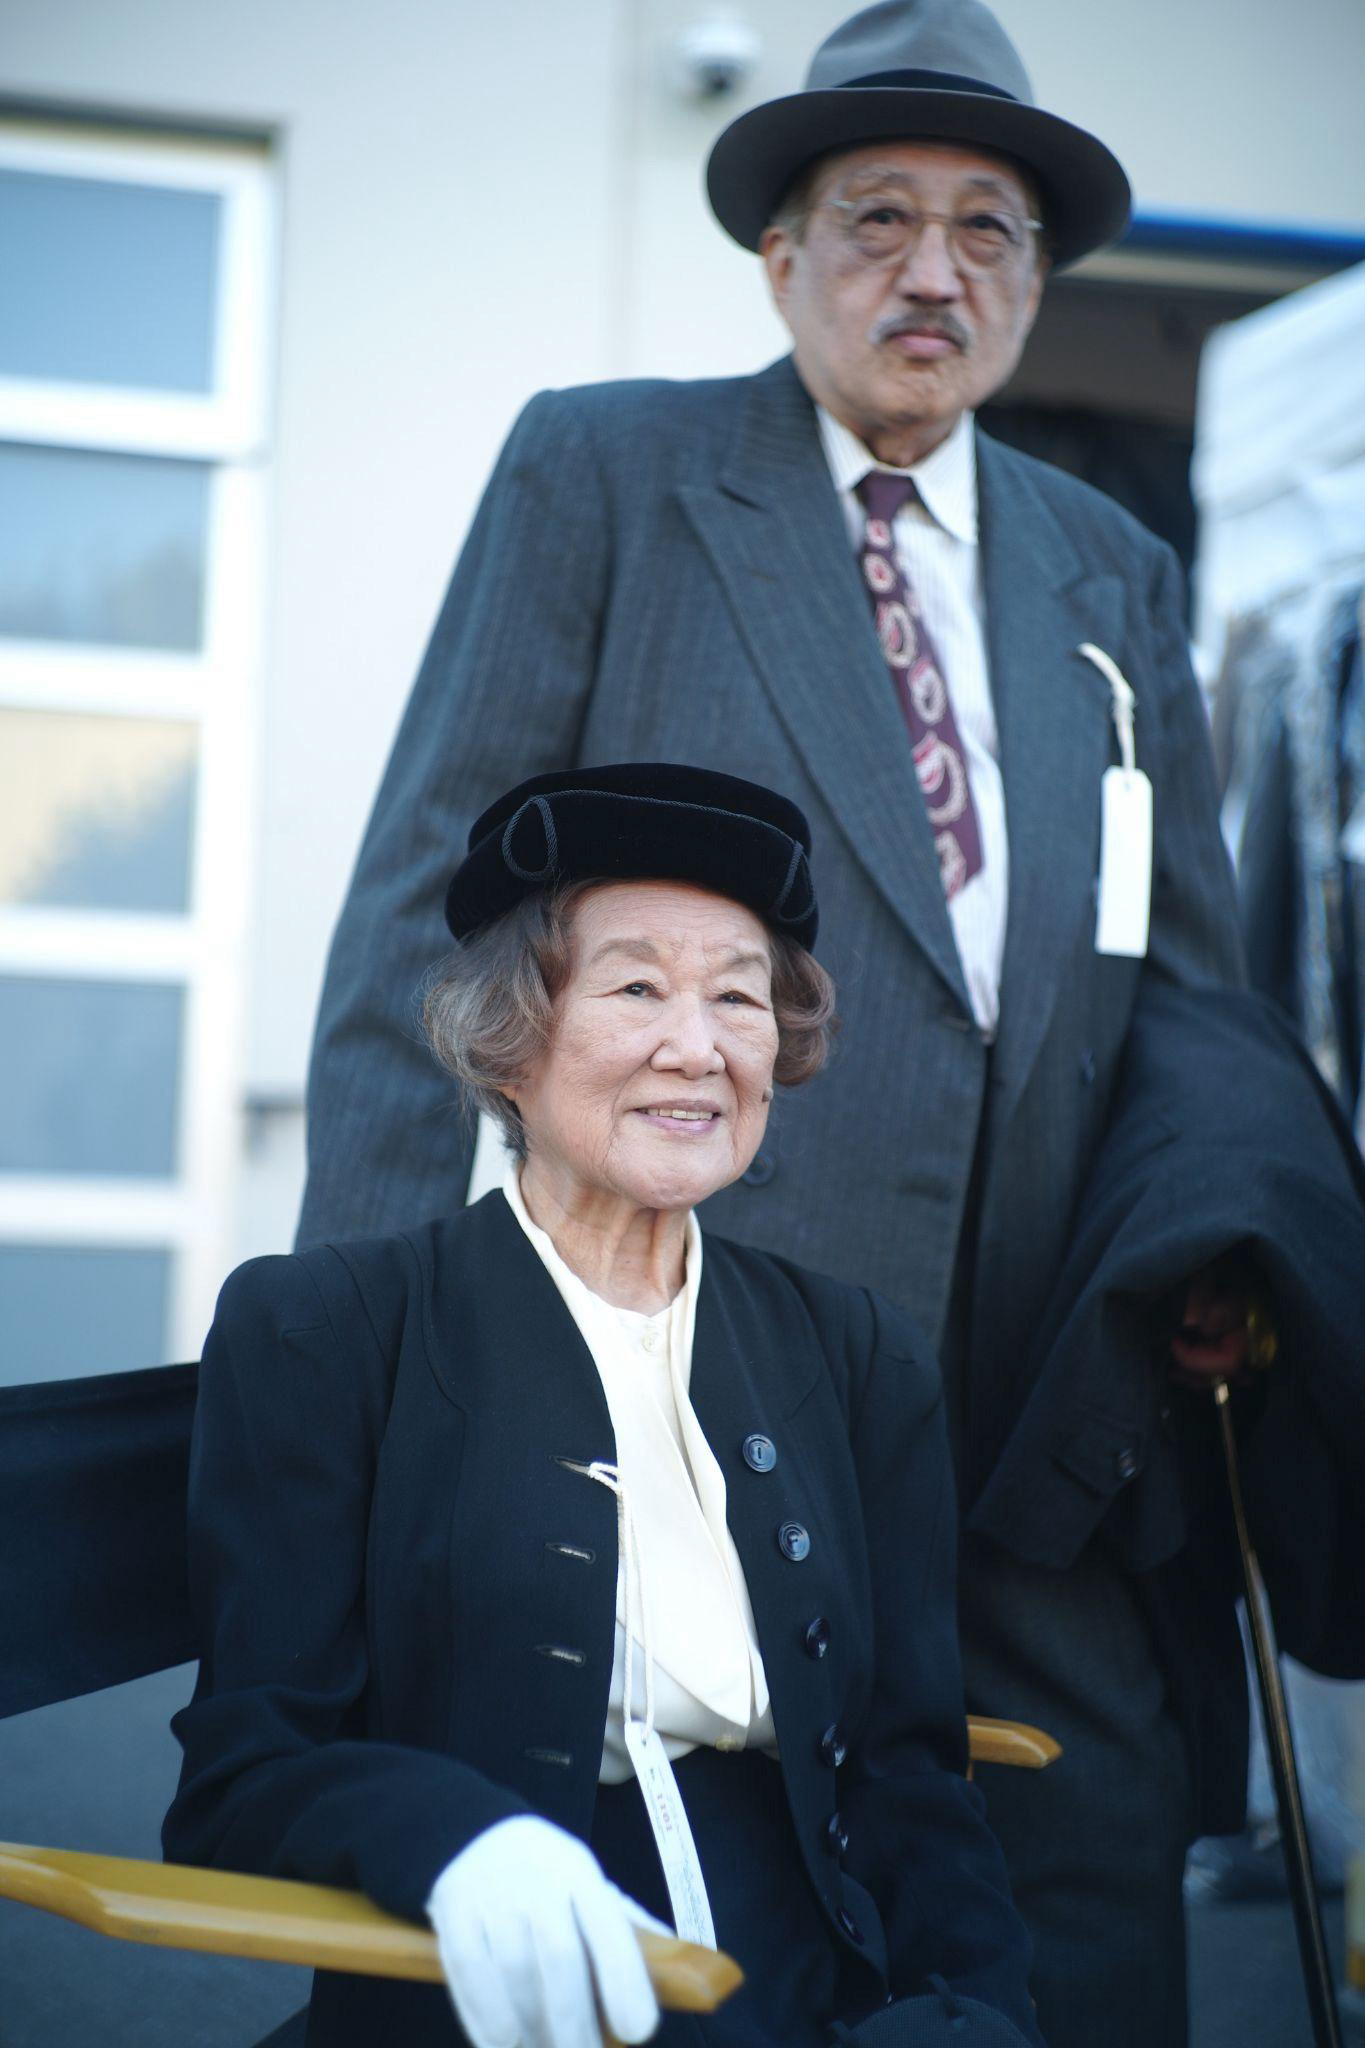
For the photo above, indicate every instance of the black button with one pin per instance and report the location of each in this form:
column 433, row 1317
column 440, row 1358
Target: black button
column 816, row 1638
column 760, row 1453
column 1087, row 1067
column 759, row 1171
column 1126, row 1464
column 850, row 1926
column 836, row 1836
column 833, row 1748
column 793, row 1541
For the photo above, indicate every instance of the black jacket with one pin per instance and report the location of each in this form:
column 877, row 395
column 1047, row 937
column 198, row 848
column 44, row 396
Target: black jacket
column 387, row 1535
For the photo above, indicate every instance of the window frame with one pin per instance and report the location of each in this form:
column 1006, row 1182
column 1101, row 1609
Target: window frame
column 192, row 1212
column 229, row 422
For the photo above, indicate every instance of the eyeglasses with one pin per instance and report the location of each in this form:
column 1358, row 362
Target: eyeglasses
column 882, row 231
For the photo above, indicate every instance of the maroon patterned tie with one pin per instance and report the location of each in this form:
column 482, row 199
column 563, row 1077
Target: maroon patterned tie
column 921, row 691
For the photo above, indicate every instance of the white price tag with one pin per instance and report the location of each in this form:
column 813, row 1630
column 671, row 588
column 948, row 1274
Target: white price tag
column 672, row 1835
column 1125, row 887
column 1124, row 891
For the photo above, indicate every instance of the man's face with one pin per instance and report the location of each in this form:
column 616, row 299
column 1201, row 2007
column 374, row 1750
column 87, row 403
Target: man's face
column 897, row 346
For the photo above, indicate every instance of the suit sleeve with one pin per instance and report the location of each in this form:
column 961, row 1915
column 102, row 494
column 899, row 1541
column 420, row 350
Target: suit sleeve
column 1194, row 931
column 918, row 1838
column 278, row 1777
column 501, row 695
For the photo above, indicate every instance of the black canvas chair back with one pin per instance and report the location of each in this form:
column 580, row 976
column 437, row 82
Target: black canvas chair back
column 93, row 1592
column 93, row 1477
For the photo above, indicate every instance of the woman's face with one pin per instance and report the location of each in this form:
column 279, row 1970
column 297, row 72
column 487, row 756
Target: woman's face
column 656, row 1083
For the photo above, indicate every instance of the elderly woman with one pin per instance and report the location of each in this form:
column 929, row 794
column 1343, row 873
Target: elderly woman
column 557, row 1566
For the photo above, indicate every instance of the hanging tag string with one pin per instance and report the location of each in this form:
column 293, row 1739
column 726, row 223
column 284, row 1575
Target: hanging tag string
column 632, row 1573
column 664, row 1808
column 1124, row 702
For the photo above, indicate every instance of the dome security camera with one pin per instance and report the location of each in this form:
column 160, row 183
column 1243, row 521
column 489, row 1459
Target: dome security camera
column 715, row 56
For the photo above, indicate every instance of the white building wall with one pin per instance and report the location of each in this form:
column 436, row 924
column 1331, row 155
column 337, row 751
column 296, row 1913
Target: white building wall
column 478, row 201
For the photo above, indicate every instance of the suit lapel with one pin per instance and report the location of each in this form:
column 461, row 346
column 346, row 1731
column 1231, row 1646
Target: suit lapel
column 773, row 529
column 1056, row 738
column 501, row 1337
column 775, row 535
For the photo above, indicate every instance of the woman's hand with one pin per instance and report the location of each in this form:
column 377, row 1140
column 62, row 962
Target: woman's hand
column 535, row 1941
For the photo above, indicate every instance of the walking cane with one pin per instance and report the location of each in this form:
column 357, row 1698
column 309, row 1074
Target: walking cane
column 1303, row 1891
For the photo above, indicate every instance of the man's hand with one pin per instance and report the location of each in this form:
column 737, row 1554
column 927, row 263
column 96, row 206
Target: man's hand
column 1213, row 1336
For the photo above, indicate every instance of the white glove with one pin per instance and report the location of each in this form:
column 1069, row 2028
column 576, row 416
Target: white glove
column 527, row 1925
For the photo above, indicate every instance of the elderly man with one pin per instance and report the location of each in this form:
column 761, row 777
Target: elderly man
column 826, row 578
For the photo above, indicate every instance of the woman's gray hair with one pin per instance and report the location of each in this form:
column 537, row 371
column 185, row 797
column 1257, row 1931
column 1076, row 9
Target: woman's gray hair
column 488, row 1012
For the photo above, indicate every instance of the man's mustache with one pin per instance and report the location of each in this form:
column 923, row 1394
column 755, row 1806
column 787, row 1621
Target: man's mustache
column 942, row 324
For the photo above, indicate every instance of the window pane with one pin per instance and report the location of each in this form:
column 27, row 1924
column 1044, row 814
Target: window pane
column 95, row 813
column 71, row 1310
column 107, row 283
column 104, row 548
column 91, row 1076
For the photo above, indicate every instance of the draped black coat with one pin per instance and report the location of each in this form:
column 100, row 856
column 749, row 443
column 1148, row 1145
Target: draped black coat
column 1222, row 1140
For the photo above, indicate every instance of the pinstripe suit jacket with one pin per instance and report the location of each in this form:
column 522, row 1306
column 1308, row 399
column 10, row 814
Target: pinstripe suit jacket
column 661, row 572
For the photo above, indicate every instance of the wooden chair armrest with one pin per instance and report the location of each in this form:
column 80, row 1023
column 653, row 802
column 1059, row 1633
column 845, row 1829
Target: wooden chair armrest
column 273, row 1919
column 1010, row 1742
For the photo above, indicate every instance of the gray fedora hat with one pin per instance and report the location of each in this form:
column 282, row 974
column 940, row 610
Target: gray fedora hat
column 906, row 69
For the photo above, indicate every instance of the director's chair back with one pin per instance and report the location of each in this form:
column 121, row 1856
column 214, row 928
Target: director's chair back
column 93, row 1476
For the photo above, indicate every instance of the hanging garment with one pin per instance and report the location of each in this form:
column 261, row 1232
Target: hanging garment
column 1291, row 721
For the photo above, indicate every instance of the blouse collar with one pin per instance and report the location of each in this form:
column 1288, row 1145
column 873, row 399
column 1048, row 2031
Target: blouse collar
column 580, row 1299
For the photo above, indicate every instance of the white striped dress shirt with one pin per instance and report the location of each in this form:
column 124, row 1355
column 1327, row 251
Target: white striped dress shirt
column 940, row 559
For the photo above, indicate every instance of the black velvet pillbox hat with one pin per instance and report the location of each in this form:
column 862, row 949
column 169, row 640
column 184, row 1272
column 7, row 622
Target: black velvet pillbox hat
column 639, row 821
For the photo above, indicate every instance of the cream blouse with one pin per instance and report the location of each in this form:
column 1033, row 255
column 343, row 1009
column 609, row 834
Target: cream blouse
column 708, row 1684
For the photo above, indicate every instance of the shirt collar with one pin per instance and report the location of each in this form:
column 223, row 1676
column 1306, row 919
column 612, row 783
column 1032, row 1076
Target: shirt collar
column 945, row 480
